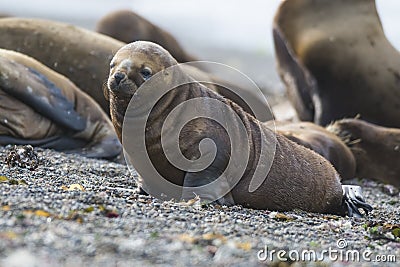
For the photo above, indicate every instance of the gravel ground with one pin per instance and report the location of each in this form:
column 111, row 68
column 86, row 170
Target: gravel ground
column 73, row 211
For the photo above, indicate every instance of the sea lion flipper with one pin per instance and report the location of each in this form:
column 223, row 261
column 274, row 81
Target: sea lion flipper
column 36, row 91
column 53, row 142
column 353, row 200
column 107, row 148
column 58, row 108
column 141, row 191
column 300, row 83
column 198, row 179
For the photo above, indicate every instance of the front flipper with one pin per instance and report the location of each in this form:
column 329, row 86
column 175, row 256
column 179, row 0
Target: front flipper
column 299, row 82
column 38, row 92
column 215, row 194
column 353, row 200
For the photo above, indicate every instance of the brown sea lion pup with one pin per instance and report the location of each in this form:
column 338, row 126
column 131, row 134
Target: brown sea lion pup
column 375, row 148
column 336, row 61
column 320, row 140
column 127, row 26
column 82, row 56
column 43, row 108
column 298, row 178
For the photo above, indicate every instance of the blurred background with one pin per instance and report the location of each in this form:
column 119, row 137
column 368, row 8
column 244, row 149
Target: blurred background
column 237, row 33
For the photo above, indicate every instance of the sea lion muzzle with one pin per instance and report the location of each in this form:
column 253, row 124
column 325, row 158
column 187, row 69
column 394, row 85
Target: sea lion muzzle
column 118, row 77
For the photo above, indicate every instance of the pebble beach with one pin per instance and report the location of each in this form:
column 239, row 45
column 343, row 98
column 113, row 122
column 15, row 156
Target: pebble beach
column 72, row 211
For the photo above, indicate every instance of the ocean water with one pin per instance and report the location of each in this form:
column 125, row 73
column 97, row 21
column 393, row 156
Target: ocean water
column 237, row 33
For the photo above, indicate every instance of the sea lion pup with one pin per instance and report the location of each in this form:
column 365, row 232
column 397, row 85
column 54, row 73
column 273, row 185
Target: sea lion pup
column 82, row 56
column 43, row 108
column 127, row 26
column 336, row 62
column 298, row 178
column 320, row 140
column 375, row 148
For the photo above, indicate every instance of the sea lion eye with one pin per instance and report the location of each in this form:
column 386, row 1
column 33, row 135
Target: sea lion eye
column 146, row 73
column 112, row 65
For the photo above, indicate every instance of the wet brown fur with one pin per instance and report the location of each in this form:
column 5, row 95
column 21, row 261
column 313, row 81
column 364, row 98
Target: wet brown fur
column 320, row 140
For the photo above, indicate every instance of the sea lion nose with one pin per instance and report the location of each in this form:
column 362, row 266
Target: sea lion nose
column 119, row 76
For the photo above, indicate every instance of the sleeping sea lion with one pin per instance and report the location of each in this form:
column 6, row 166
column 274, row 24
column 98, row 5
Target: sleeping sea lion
column 43, row 108
column 127, row 26
column 298, row 178
column 376, row 149
column 320, row 140
column 336, row 61
column 82, row 56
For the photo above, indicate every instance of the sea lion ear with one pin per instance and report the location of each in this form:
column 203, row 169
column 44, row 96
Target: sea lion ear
column 105, row 91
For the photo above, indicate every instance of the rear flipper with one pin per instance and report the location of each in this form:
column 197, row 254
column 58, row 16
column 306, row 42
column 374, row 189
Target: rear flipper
column 353, row 200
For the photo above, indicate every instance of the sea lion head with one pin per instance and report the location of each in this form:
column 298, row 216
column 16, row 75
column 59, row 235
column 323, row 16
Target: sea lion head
column 135, row 63
column 131, row 66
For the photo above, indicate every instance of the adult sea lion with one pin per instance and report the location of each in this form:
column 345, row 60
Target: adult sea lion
column 336, row 61
column 43, row 108
column 127, row 26
column 320, row 140
column 376, row 149
column 298, row 178
column 82, row 56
